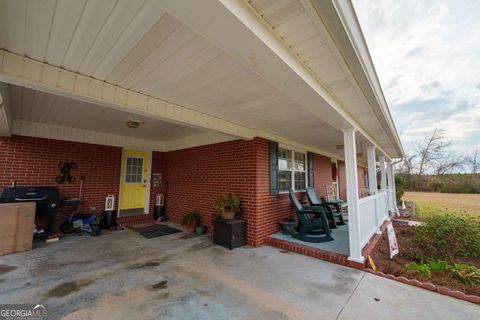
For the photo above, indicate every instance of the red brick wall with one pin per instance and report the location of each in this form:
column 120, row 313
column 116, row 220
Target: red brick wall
column 192, row 178
column 196, row 176
column 323, row 174
column 342, row 180
column 269, row 209
column 34, row 162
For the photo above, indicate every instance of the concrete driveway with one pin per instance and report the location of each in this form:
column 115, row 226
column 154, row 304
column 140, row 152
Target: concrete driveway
column 121, row 275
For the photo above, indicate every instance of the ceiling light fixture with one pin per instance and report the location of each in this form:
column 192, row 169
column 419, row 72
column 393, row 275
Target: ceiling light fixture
column 133, row 124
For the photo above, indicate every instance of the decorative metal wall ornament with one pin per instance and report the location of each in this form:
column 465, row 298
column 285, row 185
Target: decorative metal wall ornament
column 65, row 168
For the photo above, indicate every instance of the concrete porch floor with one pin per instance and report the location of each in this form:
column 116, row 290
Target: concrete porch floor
column 340, row 244
column 121, row 275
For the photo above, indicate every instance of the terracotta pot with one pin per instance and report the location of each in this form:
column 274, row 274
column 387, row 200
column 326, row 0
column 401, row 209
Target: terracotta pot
column 191, row 226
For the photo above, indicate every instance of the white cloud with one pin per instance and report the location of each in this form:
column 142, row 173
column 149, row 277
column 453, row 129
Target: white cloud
column 427, row 57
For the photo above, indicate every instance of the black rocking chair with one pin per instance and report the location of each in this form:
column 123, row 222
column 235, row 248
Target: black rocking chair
column 313, row 224
column 332, row 215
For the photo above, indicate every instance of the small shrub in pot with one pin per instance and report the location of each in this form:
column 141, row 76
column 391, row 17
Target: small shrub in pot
column 226, row 205
column 190, row 220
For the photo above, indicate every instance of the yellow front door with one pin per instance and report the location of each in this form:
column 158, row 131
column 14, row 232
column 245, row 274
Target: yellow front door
column 134, row 176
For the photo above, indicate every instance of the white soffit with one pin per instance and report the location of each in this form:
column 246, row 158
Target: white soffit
column 142, row 46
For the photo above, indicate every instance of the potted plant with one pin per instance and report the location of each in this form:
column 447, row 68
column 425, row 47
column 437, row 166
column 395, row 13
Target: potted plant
column 226, row 205
column 190, row 220
column 200, row 229
column 287, row 225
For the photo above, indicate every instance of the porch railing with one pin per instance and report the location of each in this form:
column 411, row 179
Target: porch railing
column 382, row 206
column 367, row 211
column 367, row 218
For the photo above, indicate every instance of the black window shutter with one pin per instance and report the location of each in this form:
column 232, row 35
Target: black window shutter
column 311, row 169
column 273, row 148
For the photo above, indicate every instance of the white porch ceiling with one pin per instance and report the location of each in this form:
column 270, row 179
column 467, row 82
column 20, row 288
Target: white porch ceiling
column 138, row 46
column 46, row 108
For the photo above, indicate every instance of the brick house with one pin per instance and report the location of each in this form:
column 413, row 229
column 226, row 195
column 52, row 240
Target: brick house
column 261, row 99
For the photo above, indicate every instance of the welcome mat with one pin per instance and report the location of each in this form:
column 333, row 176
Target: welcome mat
column 156, row 231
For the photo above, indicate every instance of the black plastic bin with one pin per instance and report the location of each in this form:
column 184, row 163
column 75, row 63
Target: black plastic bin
column 109, row 219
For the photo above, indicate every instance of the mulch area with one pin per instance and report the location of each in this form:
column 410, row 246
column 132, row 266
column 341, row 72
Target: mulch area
column 397, row 265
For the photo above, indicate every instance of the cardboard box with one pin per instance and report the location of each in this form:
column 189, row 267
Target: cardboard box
column 17, row 221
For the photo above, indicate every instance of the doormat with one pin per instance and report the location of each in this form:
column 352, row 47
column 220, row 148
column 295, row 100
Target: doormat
column 158, row 232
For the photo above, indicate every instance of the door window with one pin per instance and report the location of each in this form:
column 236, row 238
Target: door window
column 134, row 170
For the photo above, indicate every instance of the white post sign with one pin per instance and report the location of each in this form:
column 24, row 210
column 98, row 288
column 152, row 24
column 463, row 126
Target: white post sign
column 392, row 241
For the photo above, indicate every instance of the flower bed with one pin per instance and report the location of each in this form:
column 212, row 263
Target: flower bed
column 450, row 273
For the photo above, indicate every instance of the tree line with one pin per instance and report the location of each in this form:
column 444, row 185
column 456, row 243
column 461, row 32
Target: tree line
column 432, row 165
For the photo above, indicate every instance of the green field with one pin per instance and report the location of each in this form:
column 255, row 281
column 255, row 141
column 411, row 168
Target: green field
column 428, row 203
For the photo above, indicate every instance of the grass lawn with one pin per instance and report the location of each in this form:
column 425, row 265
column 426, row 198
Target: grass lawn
column 428, row 203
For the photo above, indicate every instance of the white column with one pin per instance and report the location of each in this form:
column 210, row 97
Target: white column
column 394, row 193
column 383, row 182
column 389, row 186
column 372, row 170
column 383, row 175
column 372, row 183
column 352, row 195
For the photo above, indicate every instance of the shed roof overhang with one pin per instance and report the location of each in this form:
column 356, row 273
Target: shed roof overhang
column 243, row 80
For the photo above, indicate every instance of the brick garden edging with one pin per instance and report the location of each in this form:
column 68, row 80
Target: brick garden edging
column 428, row 286
column 425, row 285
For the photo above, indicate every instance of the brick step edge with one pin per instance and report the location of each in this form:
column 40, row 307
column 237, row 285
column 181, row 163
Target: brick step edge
column 428, row 286
column 314, row 253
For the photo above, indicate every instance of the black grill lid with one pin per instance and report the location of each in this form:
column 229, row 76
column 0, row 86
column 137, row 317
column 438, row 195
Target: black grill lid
column 14, row 194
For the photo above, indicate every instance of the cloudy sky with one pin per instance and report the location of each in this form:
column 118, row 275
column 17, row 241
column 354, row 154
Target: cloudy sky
column 427, row 56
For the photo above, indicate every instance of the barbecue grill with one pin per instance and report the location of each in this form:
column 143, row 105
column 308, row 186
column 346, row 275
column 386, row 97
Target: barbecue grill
column 46, row 198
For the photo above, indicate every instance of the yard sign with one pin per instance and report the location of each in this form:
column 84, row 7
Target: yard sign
column 392, row 241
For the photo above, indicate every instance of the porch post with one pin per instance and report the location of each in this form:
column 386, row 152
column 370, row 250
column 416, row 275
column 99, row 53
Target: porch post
column 390, row 188
column 394, row 193
column 383, row 183
column 383, row 176
column 352, row 195
column 372, row 183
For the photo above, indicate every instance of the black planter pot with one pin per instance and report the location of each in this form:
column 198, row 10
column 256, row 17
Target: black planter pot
column 287, row 226
column 109, row 219
column 158, row 212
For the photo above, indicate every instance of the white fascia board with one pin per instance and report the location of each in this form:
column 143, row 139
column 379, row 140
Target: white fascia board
column 352, row 27
column 235, row 28
column 6, row 119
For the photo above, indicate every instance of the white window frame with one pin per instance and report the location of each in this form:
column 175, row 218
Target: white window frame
column 292, row 171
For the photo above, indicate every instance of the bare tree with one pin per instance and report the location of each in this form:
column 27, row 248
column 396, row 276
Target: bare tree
column 473, row 161
column 408, row 164
column 430, row 150
column 446, row 164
